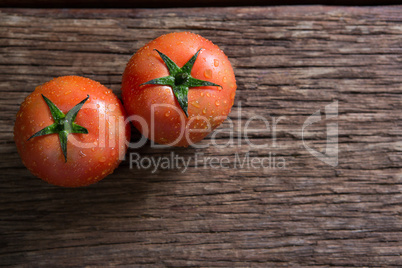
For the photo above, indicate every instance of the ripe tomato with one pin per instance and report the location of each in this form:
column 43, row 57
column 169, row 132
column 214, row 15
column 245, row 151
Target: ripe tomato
column 178, row 88
column 71, row 132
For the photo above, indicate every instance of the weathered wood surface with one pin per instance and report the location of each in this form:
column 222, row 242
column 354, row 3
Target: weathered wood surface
column 181, row 3
column 290, row 62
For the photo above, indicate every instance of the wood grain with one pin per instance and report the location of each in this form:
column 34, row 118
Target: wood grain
column 180, row 3
column 289, row 63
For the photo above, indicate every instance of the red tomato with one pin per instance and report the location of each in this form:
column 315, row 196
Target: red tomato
column 86, row 158
column 159, row 113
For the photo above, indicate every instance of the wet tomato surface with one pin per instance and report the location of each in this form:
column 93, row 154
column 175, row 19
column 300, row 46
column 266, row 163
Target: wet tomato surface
column 154, row 88
column 92, row 130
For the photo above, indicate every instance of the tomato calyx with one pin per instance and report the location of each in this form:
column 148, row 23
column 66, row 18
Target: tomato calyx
column 180, row 79
column 63, row 124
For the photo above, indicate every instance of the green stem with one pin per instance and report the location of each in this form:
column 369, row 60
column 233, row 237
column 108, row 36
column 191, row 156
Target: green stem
column 63, row 124
column 180, row 79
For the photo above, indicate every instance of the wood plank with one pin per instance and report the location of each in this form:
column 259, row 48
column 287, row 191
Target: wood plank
column 289, row 63
column 180, row 3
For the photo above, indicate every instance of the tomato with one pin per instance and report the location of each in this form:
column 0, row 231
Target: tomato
column 178, row 88
column 71, row 132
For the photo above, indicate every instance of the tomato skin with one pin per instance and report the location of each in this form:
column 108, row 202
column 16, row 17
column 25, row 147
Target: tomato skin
column 90, row 157
column 208, row 106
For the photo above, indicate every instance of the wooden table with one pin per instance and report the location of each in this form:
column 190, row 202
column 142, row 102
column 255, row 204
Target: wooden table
column 290, row 63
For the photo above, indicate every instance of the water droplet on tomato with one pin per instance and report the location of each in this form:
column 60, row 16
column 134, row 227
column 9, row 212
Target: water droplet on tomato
column 217, row 102
column 208, row 73
column 102, row 159
column 167, row 114
column 112, row 107
column 204, row 111
column 224, row 79
column 216, row 62
column 202, row 94
column 195, row 104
